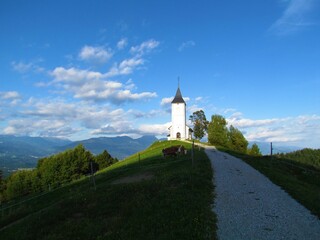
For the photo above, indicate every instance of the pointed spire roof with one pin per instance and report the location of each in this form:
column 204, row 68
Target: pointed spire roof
column 178, row 98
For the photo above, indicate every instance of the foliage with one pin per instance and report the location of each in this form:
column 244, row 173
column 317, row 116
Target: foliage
column 236, row 140
column 254, row 150
column 54, row 171
column 217, row 131
column 220, row 135
column 175, row 204
column 200, row 124
column 21, row 183
column 307, row 156
column 104, row 160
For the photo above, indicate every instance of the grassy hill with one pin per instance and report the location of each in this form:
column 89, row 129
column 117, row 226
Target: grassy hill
column 143, row 197
column 305, row 156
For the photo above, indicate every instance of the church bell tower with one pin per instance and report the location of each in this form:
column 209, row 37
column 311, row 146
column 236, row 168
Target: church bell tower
column 179, row 129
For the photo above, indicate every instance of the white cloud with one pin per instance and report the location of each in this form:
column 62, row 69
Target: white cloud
column 126, row 67
column 95, row 54
column 23, row 67
column 193, row 108
column 41, row 127
column 293, row 130
column 130, row 85
column 246, row 123
column 141, row 114
column 187, row 44
column 294, row 18
column 89, row 85
column 122, row 43
column 74, row 75
column 186, row 99
column 56, row 117
column 166, row 101
column 154, row 129
column 122, row 127
column 144, row 47
column 11, row 95
column 97, row 90
column 127, row 95
column 51, row 109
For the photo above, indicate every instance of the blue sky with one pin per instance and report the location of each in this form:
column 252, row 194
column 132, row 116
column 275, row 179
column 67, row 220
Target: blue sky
column 81, row 69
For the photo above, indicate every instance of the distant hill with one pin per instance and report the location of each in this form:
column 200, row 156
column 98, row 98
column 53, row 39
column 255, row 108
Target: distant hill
column 24, row 152
column 36, row 146
column 119, row 147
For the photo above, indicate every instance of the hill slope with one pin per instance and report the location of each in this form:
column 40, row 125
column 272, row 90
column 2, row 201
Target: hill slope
column 306, row 156
column 139, row 198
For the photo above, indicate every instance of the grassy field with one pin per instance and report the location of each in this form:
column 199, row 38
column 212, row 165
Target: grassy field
column 301, row 181
column 173, row 202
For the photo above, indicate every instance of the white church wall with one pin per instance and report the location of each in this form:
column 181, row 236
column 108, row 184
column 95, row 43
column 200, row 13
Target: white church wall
column 178, row 114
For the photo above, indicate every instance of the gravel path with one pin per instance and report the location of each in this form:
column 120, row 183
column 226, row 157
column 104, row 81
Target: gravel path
column 249, row 206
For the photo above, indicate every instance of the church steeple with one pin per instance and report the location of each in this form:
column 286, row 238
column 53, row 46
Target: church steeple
column 178, row 97
column 179, row 129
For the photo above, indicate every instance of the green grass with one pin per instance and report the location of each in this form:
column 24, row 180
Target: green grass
column 175, row 204
column 301, row 181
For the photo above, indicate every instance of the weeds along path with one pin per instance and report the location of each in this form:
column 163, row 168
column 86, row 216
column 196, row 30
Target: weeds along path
column 249, row 206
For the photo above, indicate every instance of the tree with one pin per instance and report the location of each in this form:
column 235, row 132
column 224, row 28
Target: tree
column 52, row 172
column 217, row 131
column 236, row 140
column 200, row 124
column 18, row 184
column 104, row 160
column 255, row 150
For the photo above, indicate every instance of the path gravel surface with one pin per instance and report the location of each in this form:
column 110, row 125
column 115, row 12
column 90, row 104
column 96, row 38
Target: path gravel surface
column 249, row 206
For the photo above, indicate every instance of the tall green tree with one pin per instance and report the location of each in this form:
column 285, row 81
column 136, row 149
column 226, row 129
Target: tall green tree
column 254, row 150
column 18, row 184
column 236, row 140
column 104, row 160
column 200, row 124
column 217, row 131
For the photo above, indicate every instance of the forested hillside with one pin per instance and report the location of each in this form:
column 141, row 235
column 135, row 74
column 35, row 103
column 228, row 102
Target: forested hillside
column 54, row 171
column 307, row 156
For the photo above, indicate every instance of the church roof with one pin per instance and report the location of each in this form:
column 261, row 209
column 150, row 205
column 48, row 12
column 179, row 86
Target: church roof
column 178, row 98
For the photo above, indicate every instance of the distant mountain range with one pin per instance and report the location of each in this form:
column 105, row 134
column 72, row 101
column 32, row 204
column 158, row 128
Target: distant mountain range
column 119, row 147
column 24, row 152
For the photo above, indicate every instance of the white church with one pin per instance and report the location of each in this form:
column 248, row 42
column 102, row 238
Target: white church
column 179, row 129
